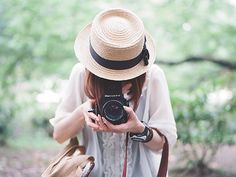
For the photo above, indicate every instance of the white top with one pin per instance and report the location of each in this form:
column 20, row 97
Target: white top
column 109, row 148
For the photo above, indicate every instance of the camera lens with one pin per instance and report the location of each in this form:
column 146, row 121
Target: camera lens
column 113, row 110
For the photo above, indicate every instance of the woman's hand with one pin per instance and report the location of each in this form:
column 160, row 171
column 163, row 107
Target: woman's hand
column 98, row 123
column 89, row 117
column 132, row 125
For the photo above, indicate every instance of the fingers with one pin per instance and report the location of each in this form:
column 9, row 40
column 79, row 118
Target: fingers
column 128, row 109
column 93, row 117
column 121, row 128
column 92, row 125
column 103, row 126
column 91, row 120
column 96, row 122
column 131, row 114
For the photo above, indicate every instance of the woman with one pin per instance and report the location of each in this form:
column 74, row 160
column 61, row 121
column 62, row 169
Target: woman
column 116, row 60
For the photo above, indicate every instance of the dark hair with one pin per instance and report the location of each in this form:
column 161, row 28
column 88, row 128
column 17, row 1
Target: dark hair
column 94, row 87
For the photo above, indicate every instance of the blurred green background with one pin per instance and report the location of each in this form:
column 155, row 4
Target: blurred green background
column 196, row 47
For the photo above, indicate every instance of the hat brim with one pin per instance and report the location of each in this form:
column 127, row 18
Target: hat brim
column 82, row 52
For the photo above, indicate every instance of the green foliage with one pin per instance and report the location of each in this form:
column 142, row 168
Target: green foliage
column 201, row 123
column 39, row 120
column 204, row 125
column 6, row 115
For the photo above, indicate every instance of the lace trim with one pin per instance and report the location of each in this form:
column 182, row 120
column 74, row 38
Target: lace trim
column 114, row 154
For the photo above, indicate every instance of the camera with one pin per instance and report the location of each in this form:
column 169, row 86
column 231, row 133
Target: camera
column 111, row 108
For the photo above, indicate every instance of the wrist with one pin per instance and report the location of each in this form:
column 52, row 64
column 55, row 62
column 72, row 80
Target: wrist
column 79, row 110
column 140, row 128
column 144, row 136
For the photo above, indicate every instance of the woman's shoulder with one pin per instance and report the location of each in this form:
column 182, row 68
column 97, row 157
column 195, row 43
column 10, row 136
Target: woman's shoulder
column 78, row 67
column 153, row 75
column 155, row 72
column 78, row 70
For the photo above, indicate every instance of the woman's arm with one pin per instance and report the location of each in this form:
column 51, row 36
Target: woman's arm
column 160, row 111
column 69, row 119
column 156, row 142
column 70, row 126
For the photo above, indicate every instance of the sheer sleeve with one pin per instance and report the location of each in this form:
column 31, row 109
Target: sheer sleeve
column 73, row 94
column 160, row 109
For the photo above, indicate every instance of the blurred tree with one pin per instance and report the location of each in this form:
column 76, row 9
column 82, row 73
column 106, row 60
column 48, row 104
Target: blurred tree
column 6, row 115
column 36, row 41
column 205, row 123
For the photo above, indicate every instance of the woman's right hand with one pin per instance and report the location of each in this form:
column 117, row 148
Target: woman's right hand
column 97, row 123
column 90, row 118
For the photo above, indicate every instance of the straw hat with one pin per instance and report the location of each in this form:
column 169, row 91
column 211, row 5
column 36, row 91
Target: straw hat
column 115, row 46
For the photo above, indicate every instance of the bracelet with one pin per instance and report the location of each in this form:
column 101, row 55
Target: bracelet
column 143, row 137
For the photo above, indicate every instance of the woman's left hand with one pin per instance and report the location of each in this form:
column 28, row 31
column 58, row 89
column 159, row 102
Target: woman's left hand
column 132, row 125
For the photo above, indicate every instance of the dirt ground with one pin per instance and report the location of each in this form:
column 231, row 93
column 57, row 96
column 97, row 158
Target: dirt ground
column 23, row 163
column 223, row 165
column 31, row 163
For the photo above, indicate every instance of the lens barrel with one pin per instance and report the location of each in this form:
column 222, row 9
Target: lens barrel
column 114, row 112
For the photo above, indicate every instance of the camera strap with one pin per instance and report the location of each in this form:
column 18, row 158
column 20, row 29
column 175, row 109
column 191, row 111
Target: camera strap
column 163, row 168
column 126, row 155
column 162, row 172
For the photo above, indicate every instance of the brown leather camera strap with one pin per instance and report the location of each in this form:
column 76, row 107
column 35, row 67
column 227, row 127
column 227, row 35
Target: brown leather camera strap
column 162, row 172
column 163, row 168
column 126, row 155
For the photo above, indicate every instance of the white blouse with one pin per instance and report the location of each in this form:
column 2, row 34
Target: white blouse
column 109, row 148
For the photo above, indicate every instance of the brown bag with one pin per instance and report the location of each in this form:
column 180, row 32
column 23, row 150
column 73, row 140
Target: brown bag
column 71, row 162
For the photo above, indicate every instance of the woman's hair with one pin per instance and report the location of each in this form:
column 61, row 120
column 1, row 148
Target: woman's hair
column 94, row 87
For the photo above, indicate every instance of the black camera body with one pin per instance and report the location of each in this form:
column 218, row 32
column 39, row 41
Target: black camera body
column 111, row 108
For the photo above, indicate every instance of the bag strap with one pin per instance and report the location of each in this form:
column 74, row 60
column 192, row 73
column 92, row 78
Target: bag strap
column 74, row 141
column 163, row 168
column 73, row 144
